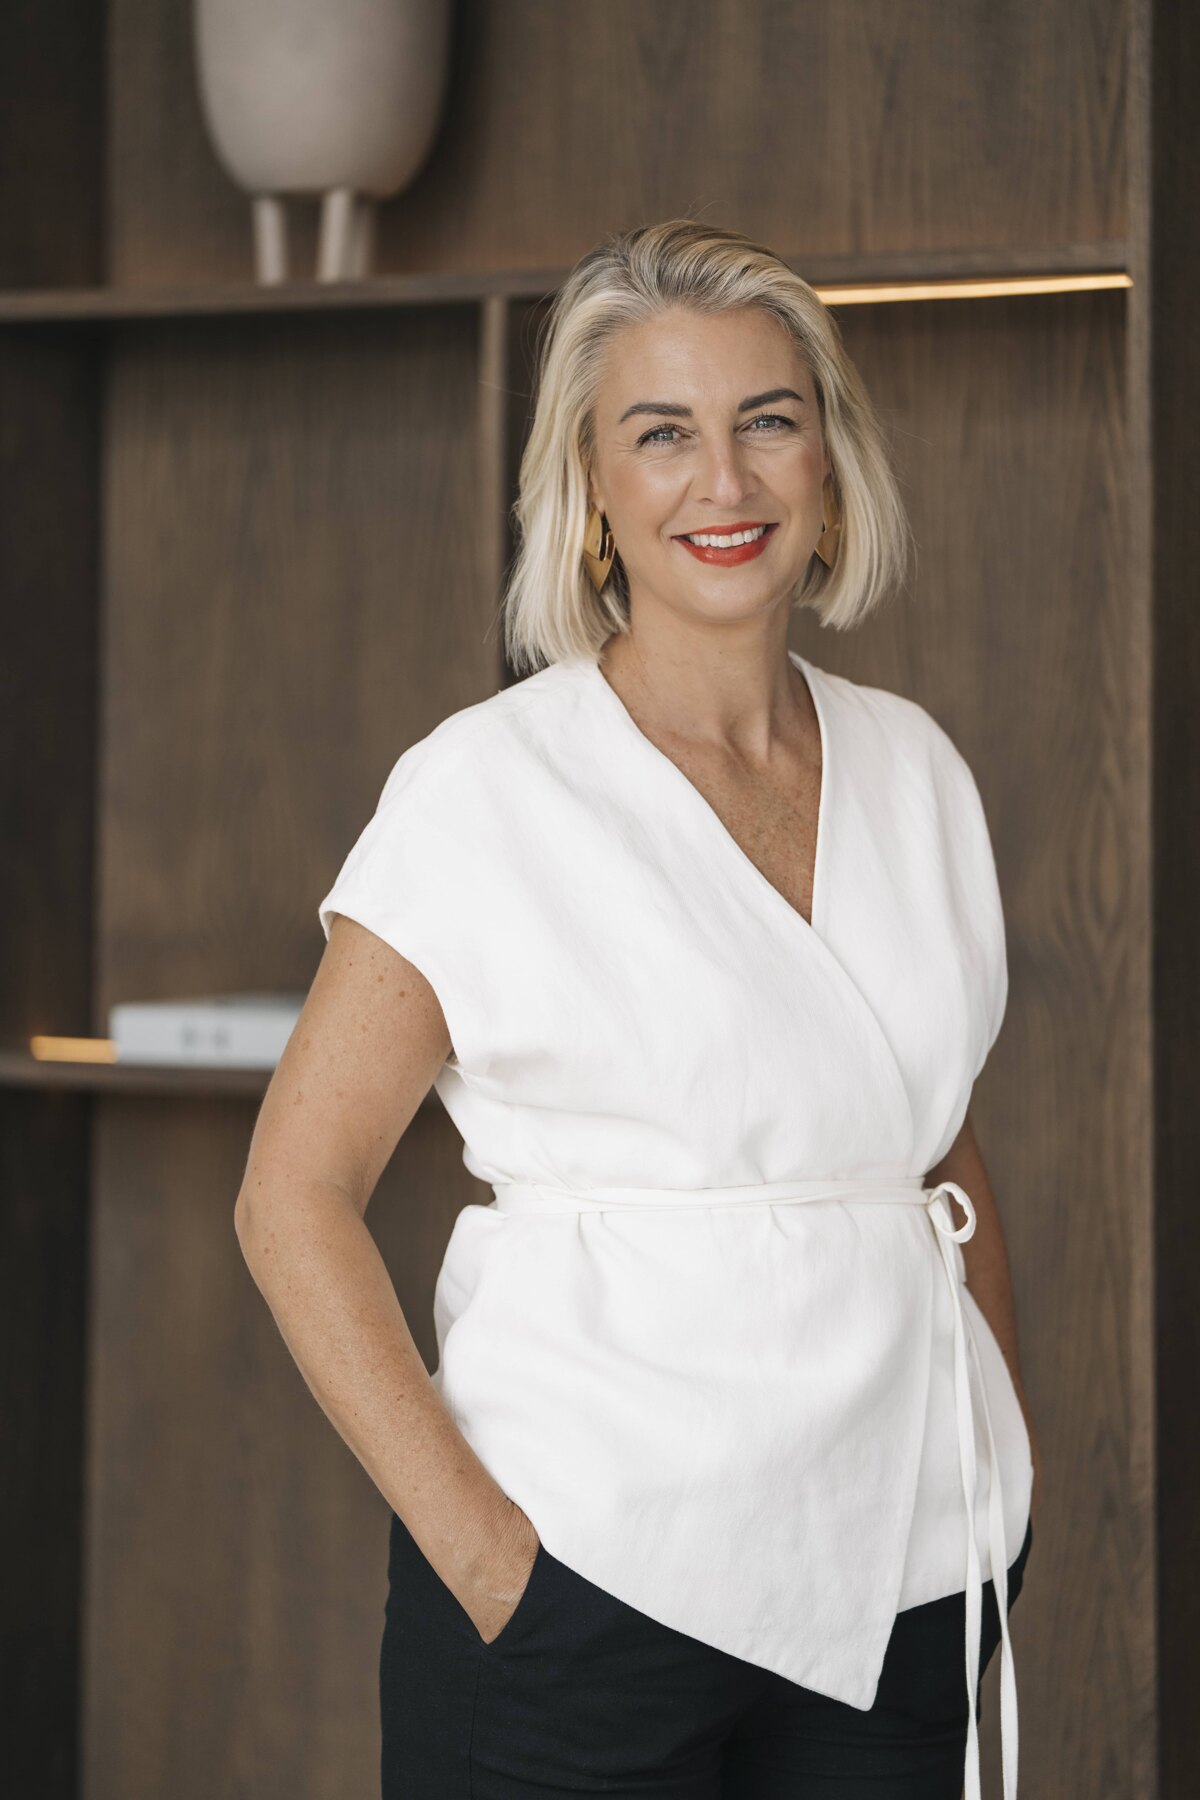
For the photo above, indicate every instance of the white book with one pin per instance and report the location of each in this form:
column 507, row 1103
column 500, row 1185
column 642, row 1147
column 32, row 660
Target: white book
column 244, row 1031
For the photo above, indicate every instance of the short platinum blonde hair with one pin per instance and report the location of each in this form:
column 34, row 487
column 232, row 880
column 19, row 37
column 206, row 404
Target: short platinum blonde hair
column 551, row 610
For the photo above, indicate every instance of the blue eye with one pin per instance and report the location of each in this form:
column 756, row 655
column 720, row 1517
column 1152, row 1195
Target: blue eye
column 772, row 420
column 649, row 437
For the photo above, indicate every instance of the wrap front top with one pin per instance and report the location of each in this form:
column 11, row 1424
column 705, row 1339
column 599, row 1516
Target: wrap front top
column 767, row 1424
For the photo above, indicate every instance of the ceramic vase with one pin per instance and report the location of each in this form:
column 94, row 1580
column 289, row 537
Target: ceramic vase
column 335, row 98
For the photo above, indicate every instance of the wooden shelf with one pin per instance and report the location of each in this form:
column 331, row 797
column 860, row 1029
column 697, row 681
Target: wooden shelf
column 18, row 1069
column 102, row 305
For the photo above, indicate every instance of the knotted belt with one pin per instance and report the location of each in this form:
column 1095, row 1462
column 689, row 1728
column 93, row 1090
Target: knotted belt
column 532, row 1197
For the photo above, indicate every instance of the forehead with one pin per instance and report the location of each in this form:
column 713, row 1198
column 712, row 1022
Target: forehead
column 688, row 357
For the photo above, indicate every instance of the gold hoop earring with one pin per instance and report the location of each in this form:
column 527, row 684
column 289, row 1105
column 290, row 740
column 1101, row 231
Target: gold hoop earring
column 598, row 547
column 830, row 539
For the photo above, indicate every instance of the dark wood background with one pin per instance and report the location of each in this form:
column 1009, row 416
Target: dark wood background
column 252, row 546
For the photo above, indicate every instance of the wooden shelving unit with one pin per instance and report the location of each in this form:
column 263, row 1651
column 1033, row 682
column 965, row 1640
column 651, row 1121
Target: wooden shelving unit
column 99, row 305
column 252, row 545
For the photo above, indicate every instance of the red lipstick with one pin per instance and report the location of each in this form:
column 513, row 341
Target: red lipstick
column 734, row 553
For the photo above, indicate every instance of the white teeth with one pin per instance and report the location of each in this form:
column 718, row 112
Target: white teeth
column 707, row 541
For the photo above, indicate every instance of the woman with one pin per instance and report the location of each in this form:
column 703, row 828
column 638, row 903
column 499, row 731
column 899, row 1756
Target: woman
column 723, row 1463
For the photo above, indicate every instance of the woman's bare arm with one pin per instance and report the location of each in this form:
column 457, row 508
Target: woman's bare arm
column 365, row 1050
column 985, row 1256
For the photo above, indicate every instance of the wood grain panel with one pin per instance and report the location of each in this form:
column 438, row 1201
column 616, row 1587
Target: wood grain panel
column 292, row 598
column 1008, row 421
column 236, row 1552
column 44, row 1231
column 48, row 672
column 1164, row 370
column 1018, row 636
column 857, row 127
column 51, row 129
column 48, row 676
column 292, row 578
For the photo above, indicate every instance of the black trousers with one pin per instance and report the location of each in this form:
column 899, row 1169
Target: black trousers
column 582, row 1694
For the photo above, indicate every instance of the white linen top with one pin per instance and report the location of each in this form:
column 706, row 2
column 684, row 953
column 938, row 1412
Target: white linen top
column 759, row 1422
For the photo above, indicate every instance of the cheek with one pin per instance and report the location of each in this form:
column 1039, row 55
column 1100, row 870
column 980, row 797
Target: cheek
column 799, row 476
column 647, row 497
column 805, row 458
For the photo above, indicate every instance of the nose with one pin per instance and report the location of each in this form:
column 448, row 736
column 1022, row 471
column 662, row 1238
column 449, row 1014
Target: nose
column 723, row 476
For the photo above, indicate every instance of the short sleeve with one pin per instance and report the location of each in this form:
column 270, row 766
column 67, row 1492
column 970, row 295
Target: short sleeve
column 398, row 881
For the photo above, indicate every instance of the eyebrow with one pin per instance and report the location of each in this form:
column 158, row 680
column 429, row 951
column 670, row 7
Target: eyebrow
column 672, row 411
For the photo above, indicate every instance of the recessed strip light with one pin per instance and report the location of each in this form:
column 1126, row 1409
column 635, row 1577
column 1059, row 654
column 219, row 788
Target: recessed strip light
column 69, row 1049
column 968, row 290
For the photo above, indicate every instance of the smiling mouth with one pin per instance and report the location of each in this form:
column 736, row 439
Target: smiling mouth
column 730, row 548
column 731, row 538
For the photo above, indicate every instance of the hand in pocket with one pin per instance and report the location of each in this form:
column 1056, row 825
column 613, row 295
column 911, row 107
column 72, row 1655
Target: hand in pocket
column 500, row 1586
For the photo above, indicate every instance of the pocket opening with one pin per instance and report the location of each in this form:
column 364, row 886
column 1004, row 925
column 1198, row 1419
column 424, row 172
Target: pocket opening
column 539, row 1558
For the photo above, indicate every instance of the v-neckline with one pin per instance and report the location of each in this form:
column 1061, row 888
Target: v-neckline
column 821, row 848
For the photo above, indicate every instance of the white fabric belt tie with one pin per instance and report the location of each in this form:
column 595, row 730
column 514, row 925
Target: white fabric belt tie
column 533, row 1197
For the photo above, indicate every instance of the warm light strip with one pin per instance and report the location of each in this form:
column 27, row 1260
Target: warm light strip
column 969, row 290
column 65, row 1049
